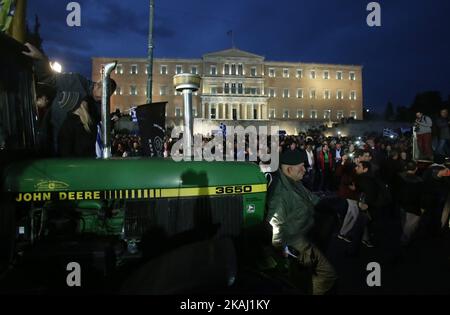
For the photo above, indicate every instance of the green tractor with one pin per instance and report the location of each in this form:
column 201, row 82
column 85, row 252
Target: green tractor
column 135, row 225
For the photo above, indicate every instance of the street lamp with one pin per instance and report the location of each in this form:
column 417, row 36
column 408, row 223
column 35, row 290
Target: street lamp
column 56, row 66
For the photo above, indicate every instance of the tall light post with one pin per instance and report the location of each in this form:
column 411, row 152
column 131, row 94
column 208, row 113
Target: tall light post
column 150, row 53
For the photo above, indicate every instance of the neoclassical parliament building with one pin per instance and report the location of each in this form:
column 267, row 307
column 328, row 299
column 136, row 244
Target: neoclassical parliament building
column 242, row 88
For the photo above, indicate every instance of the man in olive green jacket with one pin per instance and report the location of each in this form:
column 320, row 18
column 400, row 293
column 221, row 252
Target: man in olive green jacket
column 291, row 215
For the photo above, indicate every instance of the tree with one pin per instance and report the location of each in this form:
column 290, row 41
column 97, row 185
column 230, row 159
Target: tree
column 404, row 114
column 429, row 103
column 389, row 112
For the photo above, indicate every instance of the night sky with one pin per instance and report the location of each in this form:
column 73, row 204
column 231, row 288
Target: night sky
column 409, row 53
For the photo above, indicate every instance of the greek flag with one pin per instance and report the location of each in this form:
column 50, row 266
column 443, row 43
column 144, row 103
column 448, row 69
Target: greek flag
column 99, row 141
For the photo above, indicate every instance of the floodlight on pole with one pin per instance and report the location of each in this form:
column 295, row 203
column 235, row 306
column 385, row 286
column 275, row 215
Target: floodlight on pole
column 56, row 66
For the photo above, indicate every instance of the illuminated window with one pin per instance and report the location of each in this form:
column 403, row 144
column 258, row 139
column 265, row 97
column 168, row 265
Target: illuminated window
column 286, row 93
column 119, row 69
column 299, row 74
column 163, row 90
column 326, row 94
column 353, row 95
column 178, row 69
column 300, row 113
column 133, row 90
column 118, row 91
column 253, row 71
column 178, row 112
column 312, row 74
column 327, row 114
column 240, row 69
column 312, row 94
column 338, row 75
column 353, row 114
column 271, row 92
column 286, row 113
column 313, row 114
column 134, row 69
column 226, row 89
column 272, row 113
column 299, row 93
column 272, row 72
column 163, row 70
column 340, row 114
column 285, row 73
column 213, row 70
column 227, row 69
column 352, row 76
column 240, row 88
column 340, row 95
column 194, row 70
column 326, row 75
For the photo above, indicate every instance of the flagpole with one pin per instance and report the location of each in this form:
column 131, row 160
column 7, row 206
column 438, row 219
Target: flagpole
column 150, row 54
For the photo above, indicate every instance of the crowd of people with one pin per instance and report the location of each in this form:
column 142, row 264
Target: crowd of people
column 364, row 183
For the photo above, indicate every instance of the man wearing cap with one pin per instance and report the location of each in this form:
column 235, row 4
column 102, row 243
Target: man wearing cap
column 291, row 215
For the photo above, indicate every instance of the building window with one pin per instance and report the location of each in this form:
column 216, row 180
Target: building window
column 299, row 93
column 326, row 94
column 213, row 112
column 352, row 76
column 194, row 111
column 285, row 73
column 233, row 69
column 163, row 90
column 253, row 71
column 299, row 74
column 338, row 75
column 326, row 75
column 340, row 114
column 178, row 69
column 240, row 69
column 240, row 88
column 312, row 94
column 233, row 88
column 272, row 113
column 272, row 72
column 300, row 114
column 286, row 113
column 312, row 74
column 194, row 70
column 214, row 90
column 163, row 70
column 327, row 114
column 353, row 114
column 313, row 114
column 353, row 95
column 226, row 89
column 134, row 69
column 213, row 70
column 286, row 93
column 226, row 69
column 119, row 69
column 118, row 91
column 133, row 90
column 340, row 95
column 271, row 92
column 178, row 112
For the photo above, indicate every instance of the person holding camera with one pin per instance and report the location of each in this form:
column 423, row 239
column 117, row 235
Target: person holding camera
column 422, row 128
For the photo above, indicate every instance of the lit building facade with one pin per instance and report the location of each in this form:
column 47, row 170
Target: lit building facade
column 239, row 87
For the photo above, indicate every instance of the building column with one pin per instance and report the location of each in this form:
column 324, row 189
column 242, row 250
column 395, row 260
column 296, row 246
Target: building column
column 245, row 111
column 203, row 110
column 238, row 110
column 224, row 111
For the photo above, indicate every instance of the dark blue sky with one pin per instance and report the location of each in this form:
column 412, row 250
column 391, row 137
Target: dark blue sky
column 409, row 53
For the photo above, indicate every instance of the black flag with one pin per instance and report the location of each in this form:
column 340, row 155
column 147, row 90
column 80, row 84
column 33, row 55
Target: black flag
column 152, row 121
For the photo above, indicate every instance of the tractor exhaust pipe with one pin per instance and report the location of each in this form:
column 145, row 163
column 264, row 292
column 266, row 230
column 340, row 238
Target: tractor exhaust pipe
column 187, row 84
column 106, row 101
